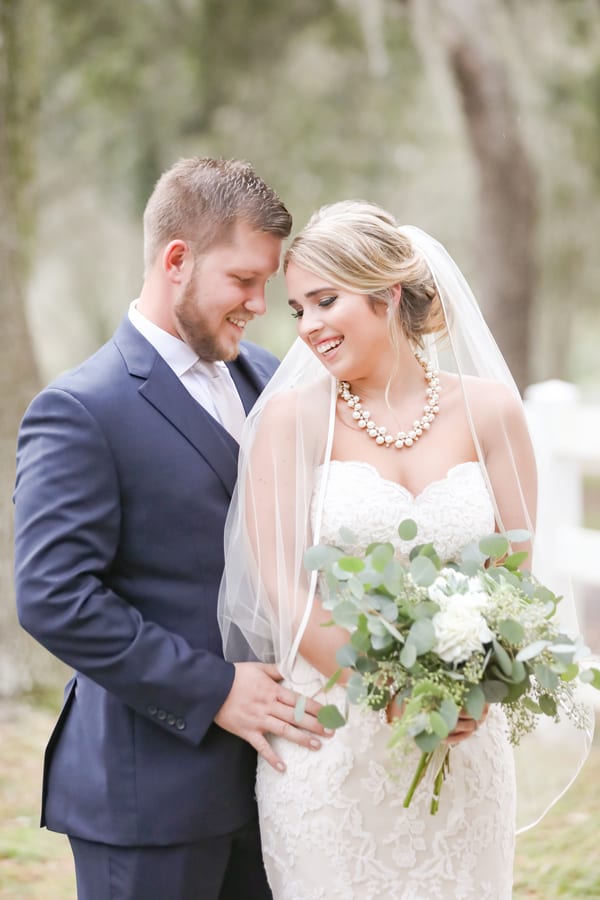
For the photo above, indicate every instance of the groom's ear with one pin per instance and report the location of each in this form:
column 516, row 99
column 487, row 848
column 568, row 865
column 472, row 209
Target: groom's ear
column 177, row 259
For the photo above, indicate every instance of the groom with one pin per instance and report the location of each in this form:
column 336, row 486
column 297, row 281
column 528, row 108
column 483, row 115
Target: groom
column 125, row 470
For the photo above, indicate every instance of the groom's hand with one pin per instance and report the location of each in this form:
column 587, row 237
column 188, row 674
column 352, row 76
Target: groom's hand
column 258, row 705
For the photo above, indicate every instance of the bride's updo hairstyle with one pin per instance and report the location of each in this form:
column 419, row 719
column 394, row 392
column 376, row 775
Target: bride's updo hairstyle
column 359, row 246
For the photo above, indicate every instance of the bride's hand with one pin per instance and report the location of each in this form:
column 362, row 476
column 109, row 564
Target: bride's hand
column 466, row 726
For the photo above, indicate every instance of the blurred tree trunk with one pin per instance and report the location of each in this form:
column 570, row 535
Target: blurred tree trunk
column 507, row 185
column 21, row 661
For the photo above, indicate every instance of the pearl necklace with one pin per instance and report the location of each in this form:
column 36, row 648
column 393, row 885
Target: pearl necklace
column 403, row 438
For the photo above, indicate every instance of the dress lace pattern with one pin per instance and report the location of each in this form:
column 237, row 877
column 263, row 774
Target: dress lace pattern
column 333, row 826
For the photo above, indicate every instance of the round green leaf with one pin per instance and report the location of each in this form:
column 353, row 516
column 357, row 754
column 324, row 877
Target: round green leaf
column 495, row 691
column 320, row 556
column 494, row 546
column 346, row 656
column 511, row 630
column 546, row 677
column 351, row 564
column 548, row 705
column 422, row 635
column 355, row 689
column 330, row 717
column 517, row 535
column 423, row 571
column 381, row 555
column 427, row 742
column 438, row 725
column 475, row 702
column 408, row 529
column 502, row 658
column 450, row 711
column 408, row 655
column 345, row 614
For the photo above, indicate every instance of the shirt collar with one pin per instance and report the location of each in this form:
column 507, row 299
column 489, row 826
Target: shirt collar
column 175, row 352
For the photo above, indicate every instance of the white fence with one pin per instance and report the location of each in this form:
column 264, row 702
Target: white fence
column 566, row 434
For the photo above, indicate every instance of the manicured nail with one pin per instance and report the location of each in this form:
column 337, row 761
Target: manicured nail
column 280, row 767
column 314, row 743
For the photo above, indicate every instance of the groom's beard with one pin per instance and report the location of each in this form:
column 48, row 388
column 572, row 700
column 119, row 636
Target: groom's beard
column 198, row 329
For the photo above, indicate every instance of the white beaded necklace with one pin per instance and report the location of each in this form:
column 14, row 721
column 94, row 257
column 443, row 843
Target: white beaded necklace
column 403, row 438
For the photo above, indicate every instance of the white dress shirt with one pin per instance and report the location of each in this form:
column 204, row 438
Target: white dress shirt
column 210, row 383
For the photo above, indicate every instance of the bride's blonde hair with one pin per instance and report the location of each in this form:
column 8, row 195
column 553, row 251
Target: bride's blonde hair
column 360, row 247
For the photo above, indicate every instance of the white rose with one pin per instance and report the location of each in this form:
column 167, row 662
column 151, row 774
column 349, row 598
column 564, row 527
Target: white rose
column 459, row 627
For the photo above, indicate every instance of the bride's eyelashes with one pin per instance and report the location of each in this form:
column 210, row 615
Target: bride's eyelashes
column 324, row 303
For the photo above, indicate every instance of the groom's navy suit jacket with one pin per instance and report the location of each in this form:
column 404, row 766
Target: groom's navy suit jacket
column 123, row 485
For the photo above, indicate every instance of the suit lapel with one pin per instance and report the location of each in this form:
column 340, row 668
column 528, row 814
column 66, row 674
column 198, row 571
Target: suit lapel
column 161, row 388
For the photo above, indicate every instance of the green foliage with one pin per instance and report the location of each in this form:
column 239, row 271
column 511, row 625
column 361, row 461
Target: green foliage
column 442, row 637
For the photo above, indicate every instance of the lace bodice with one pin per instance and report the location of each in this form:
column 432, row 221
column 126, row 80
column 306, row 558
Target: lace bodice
column 449, row 512
column 334, row 826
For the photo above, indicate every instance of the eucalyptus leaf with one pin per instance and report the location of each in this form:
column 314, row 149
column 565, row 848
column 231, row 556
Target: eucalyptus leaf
column 546, row 677
column 360, row 639
column 495, row 691
column 427, row 742
column 320, row 556
column 532, row 705
column 299, row 708
column 423, row 571
column 514, row 560
column 547, row 705
column 450, row 711
column 475, row 702
column 494, row 545
column 438, row 724
column 330, row 717
column 472, row 555
column 517, row 535
column 333, row 680
column 519, row 672
column 346, row 656
column 408, row 529
column 570, row 672
column 532, row 650
column 408, row 655
column 345, row 614
column 393, row 577
column 366, row 665
column 382, row 641
column 511, row 630
column 351, row 564
column 381, row 556
column 355, row 689
column 422, row 635
column 502, row 658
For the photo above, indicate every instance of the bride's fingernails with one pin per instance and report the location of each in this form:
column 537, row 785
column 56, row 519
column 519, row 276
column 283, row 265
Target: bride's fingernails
column 329, row 731
column 280, row 767
column 314, row 743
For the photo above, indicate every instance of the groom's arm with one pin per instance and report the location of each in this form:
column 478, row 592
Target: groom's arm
column 67, row 531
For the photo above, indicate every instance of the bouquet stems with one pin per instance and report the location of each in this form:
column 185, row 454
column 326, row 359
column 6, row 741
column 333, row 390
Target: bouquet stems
column 421, row 769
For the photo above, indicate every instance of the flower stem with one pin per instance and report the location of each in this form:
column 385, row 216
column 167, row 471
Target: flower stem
column 439, row 780
column 418, row 776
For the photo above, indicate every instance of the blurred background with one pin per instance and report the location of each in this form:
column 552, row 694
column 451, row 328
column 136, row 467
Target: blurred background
column 478, row 120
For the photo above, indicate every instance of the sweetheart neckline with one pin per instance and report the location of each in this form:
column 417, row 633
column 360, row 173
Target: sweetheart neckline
column 401, row 487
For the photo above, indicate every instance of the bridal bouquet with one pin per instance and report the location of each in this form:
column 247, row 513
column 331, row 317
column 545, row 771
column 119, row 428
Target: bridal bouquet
column 440, row 637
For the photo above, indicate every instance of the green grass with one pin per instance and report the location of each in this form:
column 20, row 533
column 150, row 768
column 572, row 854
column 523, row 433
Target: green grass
column 557, row 859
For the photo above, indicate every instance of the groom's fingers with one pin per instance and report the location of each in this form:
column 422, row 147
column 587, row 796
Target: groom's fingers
column 256, row 705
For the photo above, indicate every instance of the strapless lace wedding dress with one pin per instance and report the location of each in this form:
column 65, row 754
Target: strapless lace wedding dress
column 333, row 826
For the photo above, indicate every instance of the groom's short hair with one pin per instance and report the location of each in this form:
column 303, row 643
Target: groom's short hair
column 200, row 200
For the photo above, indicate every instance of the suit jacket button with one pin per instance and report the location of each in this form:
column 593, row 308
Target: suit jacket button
column 162, row 715
column 170, row 719
column 180, row 724
column 152, row 709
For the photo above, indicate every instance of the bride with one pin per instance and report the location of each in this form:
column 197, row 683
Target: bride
column 394, row 403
